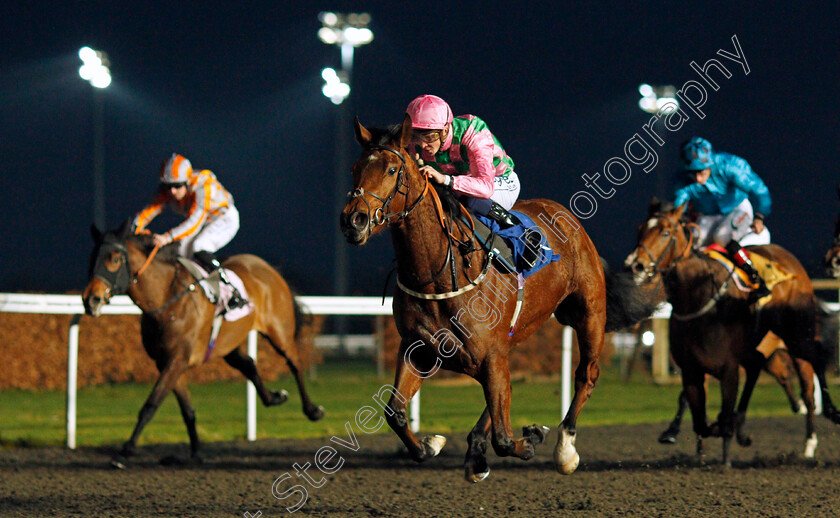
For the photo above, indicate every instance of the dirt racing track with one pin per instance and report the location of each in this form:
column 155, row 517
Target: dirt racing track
column 623, row 472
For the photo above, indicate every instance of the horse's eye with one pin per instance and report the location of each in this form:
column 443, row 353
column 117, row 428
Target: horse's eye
column 666, row 233
column 392, row 171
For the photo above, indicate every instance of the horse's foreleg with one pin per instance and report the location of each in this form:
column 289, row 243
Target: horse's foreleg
column 248, row 368
column 407, row 383
column 778, row 364
column 496, row 384
column 475, row 465
column 187, row 412
column 695, row 393
column 669, row 436
column 165, row 383
column 287, row 348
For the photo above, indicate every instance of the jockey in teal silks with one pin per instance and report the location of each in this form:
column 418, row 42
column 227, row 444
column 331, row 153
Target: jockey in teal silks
column 732, row 199
column 462, row 154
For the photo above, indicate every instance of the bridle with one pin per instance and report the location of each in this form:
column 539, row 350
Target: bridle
column 652, row 269
column 118, row 282
column 381, row 216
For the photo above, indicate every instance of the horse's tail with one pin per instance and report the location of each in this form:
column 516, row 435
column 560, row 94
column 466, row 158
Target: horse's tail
column 828, row 325
column 303, row 317
column 627, row 303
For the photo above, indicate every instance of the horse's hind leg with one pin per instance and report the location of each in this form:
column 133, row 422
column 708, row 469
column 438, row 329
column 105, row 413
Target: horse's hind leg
column 590, row 333
column 496, row 384
column 805, row 372
column 165, row 383
column 288, row 349
column 669, row 436
column 248, row 368
column 187, row 412
column 752, row 366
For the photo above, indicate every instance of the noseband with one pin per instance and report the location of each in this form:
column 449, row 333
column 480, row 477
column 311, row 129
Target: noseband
column 381, row 216
column 115, row 282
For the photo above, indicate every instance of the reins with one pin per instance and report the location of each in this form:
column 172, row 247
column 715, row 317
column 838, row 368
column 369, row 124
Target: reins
column 382, row 216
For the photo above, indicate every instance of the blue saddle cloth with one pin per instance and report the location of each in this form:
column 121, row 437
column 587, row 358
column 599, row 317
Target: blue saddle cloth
column 514, row 237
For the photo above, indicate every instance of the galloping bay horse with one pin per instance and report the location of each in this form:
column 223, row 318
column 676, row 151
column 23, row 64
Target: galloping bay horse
column 176, row 320
column 713, row 329
column 450, row 301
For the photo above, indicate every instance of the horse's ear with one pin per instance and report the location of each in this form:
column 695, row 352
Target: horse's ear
column 125, row 229
column 406, row 132
column 655, row 206
column 363, row 136
column 95, row 233
column 678, row 211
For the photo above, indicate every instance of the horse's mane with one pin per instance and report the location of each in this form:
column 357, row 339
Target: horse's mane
column 144, row 242
column 384, row 136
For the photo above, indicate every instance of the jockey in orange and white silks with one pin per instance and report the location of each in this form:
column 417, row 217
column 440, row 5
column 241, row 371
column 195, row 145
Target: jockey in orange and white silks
column 212, row 219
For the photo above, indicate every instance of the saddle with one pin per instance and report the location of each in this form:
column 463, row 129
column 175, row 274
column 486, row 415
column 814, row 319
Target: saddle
column 504, row 245
column 771, row 271
column 218, row 292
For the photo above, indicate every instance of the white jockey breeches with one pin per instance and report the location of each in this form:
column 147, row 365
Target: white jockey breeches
column 506, row 190
column 214, row 235
column 723, row 228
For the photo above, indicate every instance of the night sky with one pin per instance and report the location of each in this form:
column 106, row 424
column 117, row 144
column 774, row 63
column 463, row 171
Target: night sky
column 236, row 88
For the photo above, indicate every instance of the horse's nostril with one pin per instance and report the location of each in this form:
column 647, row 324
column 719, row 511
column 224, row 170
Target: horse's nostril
column 638, row 268
column 359, row 220
column 835, row 261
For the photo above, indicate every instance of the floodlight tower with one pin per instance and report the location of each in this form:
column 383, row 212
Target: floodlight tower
column 96, row 70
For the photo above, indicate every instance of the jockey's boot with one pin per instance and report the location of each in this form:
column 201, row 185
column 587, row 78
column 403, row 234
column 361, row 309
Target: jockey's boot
column 531, row 238
column 739, row 256
column 209, row 261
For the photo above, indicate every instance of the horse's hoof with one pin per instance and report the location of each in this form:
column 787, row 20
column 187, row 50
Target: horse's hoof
column 279, row 397
column 117, row 463
column 316, row 414
column 475, row 477
column 568, row 467
column 434, row 444
column 811, row 446
column 667, row 438
column 535, row 433
column 745, row 441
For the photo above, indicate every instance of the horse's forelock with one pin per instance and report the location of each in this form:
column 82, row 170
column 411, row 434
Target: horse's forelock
column 385, row 136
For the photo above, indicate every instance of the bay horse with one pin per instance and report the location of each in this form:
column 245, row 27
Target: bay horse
column 785, row 370
column 713, row 329
column 176, row 321
column 450, row 304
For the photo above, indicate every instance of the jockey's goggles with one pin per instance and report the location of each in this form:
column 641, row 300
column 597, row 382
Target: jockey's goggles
column 426, row 136
column 168, row 186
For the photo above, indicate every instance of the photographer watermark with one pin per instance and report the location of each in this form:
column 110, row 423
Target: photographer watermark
column 638, row 151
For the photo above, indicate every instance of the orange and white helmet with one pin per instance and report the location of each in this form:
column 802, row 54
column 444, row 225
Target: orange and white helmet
column 176, row 170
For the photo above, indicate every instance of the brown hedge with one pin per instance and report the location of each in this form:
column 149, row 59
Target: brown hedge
column 33, row 349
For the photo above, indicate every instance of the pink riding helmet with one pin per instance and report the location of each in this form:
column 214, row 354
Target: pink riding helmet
column 429, row 112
